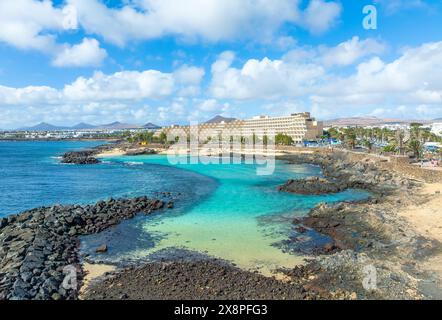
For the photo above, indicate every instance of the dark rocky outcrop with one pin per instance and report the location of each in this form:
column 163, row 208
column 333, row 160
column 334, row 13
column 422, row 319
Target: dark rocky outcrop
column 80, row 157
column 312, row 185
column 198, row 280
column 101, row 249
column 140, row 152
column 37, row 245
column 89, row 156
column 341, row 173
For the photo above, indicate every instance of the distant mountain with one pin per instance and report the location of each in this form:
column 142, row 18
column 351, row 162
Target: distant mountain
column 83, row 126
column 118, row 126
column 438, row 119
column 219, row 119
column 43, row 127
column 151, row 126
column 370, row 121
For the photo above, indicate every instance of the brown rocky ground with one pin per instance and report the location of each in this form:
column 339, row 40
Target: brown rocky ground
column 374, row 252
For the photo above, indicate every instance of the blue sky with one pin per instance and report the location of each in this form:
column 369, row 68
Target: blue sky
column 174, row 61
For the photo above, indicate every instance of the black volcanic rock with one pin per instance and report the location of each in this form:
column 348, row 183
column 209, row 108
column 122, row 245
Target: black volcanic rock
column 37, row 245
column 80, row 157
column 312, row 185
column 139, row 152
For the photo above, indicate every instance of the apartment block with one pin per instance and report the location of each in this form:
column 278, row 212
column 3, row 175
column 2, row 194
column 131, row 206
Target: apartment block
column 299, row 126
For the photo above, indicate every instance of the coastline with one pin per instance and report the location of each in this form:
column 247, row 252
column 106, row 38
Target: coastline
column 389, row 224
column 386, row 232
column 40, row 247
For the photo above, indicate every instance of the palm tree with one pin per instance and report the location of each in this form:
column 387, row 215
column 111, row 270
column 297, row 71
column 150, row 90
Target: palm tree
column 333, row 132
column 415, row 130
column 368, row 144
column 426, row 136
column 163, row 138
column 350, row 137
column 416, row 147
column 400, row 136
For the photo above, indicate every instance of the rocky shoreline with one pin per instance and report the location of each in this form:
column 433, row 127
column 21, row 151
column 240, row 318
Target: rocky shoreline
column 341, row 173
column 371, row 252
column 86, row 157
column 311, row 185
column 367, row 238
column 38, row 245
column 209, row 279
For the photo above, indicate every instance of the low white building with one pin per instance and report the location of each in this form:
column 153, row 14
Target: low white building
column 436, row 128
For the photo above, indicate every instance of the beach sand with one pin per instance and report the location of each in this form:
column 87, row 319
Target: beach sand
column 426, row 219
column 111, row 153
column 93, row 272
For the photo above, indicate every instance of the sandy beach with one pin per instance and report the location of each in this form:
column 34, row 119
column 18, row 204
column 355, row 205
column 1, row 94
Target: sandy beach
column 111, row 153
column 427, row 218
column 93, row 272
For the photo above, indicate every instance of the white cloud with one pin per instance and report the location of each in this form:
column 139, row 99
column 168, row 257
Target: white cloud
column 261, row 79
column 305, row 74
column 102, row 98
column 213, row 105
column 23, row 22
column 393, row 6
column 348, row 52
column 297, row 73
column 408, row 81
column 121, row 86
column 37, row 24
column 321, row 15
column 189, row 75
column 126, row 85
column 349, row 78
column 410, row 74
column 173, row 111
column 201, row 19
column 34, row 25
column 87, row 53
column 344, row 54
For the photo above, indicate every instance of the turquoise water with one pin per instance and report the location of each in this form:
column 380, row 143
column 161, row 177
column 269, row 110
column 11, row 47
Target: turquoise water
column 227, row 211
column 31, row 176
column 241, row 220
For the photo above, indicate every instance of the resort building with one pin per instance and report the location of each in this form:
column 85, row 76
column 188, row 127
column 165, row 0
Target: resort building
column 436, row 128
column 299, row 126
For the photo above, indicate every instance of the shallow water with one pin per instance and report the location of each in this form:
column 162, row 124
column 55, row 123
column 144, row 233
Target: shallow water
column 241, row 221
column 227, row 211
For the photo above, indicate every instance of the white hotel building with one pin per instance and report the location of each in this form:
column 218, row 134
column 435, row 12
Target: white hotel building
column 436, row 128
column 299, row 126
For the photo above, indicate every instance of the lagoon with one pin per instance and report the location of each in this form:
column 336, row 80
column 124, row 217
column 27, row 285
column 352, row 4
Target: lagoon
column 223, row 210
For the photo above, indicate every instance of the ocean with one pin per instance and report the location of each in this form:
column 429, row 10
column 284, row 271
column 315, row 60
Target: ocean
column 222, row 210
